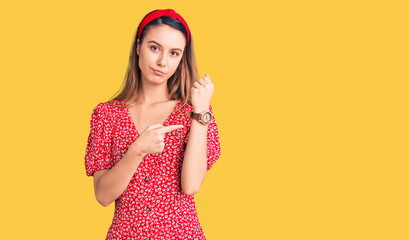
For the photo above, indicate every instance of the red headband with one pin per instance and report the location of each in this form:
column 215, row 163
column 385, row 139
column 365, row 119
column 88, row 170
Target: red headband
column 160, row 13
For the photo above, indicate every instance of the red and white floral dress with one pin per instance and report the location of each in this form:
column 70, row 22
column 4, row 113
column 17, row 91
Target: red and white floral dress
column 153, row 205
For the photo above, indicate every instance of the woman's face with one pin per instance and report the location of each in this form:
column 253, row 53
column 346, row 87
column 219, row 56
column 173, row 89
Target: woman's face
column 161, row 50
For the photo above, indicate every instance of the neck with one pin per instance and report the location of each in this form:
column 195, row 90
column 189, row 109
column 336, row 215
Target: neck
column 153, row 93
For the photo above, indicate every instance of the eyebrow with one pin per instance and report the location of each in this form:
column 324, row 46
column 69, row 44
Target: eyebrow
column 161, row 45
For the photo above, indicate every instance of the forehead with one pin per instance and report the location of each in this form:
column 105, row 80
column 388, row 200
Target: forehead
column 166, row 36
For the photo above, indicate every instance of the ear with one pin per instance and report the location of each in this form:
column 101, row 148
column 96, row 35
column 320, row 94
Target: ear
column 137, row 47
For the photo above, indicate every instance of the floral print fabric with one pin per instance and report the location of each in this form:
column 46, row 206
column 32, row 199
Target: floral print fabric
column 153, row 205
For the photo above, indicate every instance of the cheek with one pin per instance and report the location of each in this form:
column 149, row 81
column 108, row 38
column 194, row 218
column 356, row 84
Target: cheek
column 144, row 60
column 175, row 65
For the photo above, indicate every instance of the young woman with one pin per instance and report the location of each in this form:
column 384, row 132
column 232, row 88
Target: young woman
column 149, row 148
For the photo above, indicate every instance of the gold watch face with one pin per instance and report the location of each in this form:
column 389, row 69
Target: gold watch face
column 207, row 117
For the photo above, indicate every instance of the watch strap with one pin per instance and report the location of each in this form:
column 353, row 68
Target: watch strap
column 197, row 116
column 194, row 115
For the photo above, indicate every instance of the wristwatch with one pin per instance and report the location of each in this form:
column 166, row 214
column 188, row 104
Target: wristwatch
column 203, row 117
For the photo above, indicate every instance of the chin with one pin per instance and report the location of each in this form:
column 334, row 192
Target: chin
column 158, row 79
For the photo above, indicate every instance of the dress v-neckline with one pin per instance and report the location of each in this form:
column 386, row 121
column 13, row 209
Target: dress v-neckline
column 163, row 124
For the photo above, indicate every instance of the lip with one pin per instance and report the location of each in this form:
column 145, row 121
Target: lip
column 157, row 72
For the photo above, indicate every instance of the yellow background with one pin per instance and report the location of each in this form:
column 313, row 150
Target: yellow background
column 311, row 100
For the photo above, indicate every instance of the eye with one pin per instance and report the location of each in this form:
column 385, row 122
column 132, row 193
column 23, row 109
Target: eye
column 153, row 47
column 177, row 54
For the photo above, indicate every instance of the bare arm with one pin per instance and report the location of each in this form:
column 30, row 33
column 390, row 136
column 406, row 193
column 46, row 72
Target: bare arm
column 109, row 184
column 194, row 166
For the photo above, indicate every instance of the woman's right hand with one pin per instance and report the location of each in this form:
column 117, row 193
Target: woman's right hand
column 151, row 140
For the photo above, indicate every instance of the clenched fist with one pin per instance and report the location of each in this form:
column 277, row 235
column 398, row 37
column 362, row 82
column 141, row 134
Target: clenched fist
column 202, row 92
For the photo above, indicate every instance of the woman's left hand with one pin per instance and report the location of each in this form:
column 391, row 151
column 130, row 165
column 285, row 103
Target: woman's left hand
column 202, row 92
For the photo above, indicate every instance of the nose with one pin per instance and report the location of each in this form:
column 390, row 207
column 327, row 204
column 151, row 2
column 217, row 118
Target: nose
column 162, row 60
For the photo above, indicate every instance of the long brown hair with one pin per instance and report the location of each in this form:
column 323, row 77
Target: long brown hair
column 179, row 83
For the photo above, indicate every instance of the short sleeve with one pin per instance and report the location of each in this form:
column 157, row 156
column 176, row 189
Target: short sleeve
column 213, row 142
column 98, row 151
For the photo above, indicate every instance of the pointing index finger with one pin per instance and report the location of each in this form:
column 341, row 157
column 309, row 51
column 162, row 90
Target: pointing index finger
column 169, row 128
